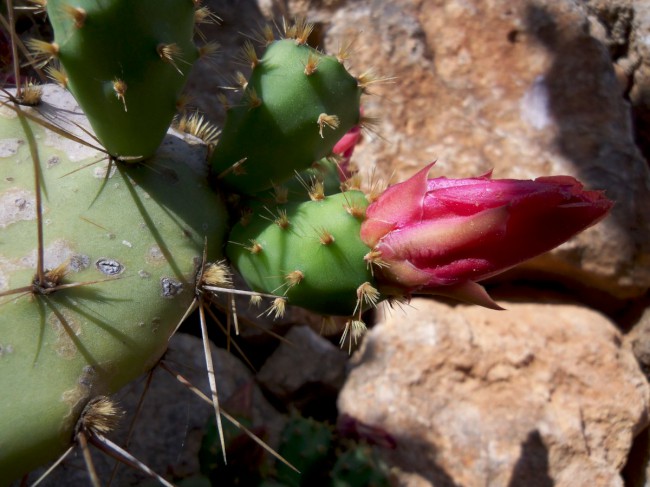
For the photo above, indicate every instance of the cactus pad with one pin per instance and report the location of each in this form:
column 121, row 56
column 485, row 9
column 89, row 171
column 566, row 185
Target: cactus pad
column 126, row 63
column 309, row 252
column 122, row 263
column 289, row 117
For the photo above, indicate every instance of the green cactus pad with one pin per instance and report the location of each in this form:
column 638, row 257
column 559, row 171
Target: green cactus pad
column 309, row 252
column 126, row 63
column 281, row 125
column 132, row 235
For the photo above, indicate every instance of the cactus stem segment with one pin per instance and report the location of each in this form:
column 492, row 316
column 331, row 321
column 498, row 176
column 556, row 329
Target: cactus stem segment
column 331, row 121
column 119, row 87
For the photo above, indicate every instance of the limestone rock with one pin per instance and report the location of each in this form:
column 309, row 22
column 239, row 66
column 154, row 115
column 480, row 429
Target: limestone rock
column 306, row 369
column 536, row 395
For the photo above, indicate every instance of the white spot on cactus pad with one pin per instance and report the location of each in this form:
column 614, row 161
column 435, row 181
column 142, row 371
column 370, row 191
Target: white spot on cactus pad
column 110, row 267
column 56, row 253
column 170, row 287
column 101, row 171
column 6, row 349
column 9, row 147
column 16, row 205
column 144, row 274
column 127, row 244
column 79, row 262
column 155, row 255
column 62, row 322
column 53, row 161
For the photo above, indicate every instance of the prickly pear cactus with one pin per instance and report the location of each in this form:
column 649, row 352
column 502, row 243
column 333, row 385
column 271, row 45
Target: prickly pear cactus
column 122, row 246
column 360, row 466
column 126, row 63
column 305, row 443
column 296, row 105
column 309, row 252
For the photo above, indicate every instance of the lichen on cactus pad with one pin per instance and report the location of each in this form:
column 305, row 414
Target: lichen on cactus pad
column 296, row 105
column 122, row 244
column 310, row 252
column 125, row 62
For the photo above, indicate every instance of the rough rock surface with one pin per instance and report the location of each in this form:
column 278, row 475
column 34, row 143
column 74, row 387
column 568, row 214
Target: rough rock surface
column 524, row 88
column 168, row 433
column 304, row 369
column 537, row 395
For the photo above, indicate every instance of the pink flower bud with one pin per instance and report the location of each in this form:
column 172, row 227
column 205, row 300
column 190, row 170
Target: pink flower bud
column 345, row 147
column 441, row 236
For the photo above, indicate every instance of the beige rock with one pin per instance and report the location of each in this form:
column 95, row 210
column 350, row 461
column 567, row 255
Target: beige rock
column 536, row 395
column 321, row 367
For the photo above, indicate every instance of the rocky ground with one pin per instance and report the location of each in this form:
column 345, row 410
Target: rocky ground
column 552, row 391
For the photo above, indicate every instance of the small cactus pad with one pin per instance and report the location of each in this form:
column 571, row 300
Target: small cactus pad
column 296, row 105
column 125, row 62
column 309, row 252
column 122, row 245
